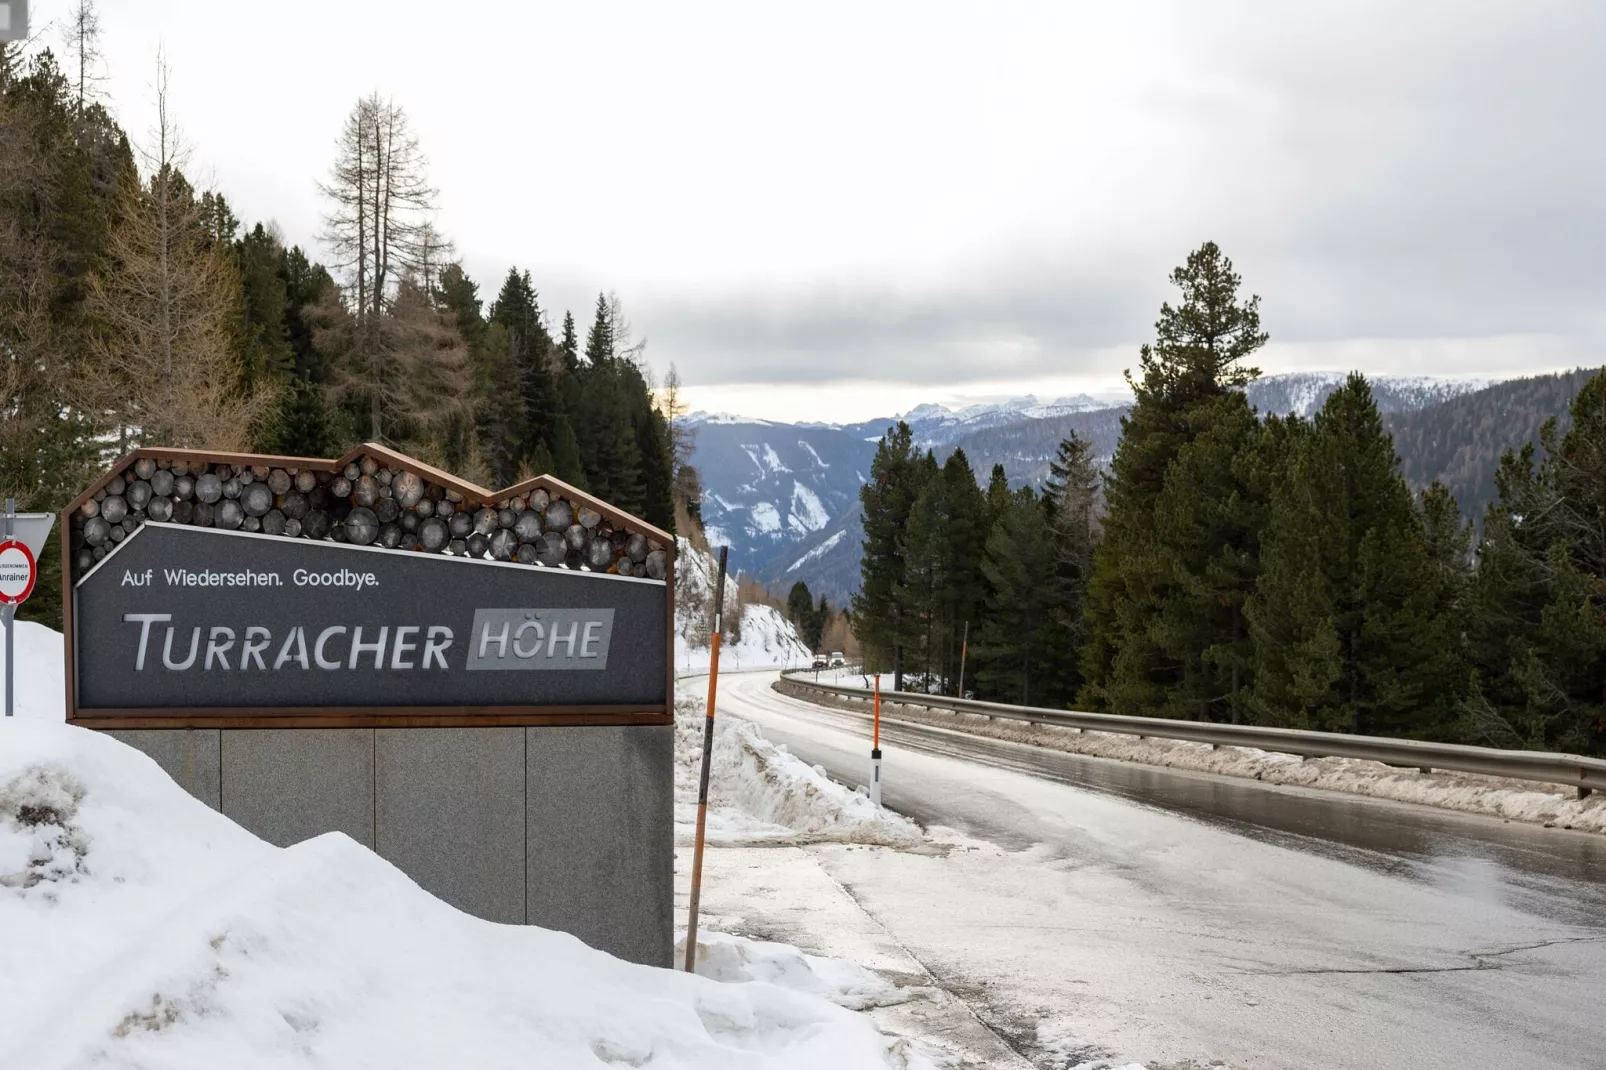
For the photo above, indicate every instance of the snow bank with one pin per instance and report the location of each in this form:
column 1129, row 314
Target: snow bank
column 760, row 793
column 138, row 928
column 767, row 639
column 1516, row 800
column 40, row 681
column 734, row 959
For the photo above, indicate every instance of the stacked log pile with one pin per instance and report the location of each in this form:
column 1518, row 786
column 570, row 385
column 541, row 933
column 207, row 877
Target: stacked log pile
column 365, row 503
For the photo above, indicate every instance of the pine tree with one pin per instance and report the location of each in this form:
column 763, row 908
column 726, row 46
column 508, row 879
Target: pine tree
column 1197, row 357
column 1208, row 520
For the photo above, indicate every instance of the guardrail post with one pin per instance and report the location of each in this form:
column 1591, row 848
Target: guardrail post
column 1584, row 793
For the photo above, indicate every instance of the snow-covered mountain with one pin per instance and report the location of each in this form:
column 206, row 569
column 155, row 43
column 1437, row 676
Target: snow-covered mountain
column 785, row 497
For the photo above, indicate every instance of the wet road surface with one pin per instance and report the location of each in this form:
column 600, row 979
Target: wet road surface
column 1153, row 914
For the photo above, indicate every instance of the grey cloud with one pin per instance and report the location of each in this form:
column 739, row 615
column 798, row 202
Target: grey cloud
column 1376, row 171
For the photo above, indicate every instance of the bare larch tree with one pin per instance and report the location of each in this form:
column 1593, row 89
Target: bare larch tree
column 391, row 356
column 163, row 367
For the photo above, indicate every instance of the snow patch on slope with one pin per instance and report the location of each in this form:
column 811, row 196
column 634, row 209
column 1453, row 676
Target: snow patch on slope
column 808, row 514
column 804, row 443
column 818, row 552
column 766, row 519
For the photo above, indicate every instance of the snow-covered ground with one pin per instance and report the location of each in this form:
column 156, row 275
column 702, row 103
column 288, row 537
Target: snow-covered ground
column 1516, row 800
column 139, row 928
column 41, row 672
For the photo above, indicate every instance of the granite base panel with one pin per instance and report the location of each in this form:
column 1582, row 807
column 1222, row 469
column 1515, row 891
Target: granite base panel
column 569, row 828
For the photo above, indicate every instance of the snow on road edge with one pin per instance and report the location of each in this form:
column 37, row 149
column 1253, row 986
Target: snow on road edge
column 1514, row 800
column 761, row 793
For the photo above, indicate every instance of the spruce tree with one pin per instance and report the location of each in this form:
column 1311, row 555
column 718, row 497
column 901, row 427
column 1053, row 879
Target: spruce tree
column 1207, row 524
column 307, row 425
column 924, row 579
column 535, row 399
column 1349, row 617
column 1070, row 497
column 964, row 593
column 569, row 347
column 886, row 500
column 1129, row 660
column 1022, row 639
column 1538, row 640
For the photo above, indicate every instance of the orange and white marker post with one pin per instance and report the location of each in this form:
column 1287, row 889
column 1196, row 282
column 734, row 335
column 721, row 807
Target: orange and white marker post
column 708, row 754
column 875, row 747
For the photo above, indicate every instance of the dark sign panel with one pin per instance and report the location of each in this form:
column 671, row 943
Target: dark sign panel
column 184, row 618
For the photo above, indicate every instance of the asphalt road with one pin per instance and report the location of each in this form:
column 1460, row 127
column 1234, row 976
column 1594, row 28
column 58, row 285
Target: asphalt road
column 1100, row 909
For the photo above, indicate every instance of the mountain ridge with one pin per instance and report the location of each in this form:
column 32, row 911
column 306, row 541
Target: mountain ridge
column 784, row 496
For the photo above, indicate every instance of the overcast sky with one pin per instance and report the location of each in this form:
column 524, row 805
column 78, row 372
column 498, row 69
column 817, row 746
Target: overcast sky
column 829, row 210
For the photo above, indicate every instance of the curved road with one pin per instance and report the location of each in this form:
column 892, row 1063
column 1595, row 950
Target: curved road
column 1119, row 910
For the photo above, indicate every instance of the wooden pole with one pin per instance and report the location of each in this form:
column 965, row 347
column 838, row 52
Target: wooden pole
column 708, row 755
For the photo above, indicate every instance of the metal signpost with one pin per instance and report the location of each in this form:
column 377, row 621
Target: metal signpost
column 20, row 542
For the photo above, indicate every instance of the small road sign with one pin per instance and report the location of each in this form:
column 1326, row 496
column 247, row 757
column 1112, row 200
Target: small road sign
column 18, row 571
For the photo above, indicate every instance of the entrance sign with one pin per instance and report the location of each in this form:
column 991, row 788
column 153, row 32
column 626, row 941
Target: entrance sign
column 18, row 571
column 370, row 591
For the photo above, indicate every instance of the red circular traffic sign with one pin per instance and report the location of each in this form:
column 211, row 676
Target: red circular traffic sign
column 18, row 571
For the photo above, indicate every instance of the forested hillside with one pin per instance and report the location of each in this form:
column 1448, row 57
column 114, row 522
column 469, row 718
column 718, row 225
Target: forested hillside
column 1459, row 442
column 1026, row 448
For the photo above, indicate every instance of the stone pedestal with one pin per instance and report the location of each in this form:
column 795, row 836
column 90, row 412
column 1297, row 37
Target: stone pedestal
column 566, row 828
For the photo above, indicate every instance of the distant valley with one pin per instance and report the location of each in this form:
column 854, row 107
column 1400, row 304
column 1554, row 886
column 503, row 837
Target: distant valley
column 785, row 497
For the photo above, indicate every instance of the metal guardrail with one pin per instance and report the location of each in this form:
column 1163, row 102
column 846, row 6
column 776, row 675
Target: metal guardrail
column 1585, row 774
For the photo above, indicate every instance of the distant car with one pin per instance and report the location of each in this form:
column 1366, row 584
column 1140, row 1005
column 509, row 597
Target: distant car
column 837, row 660
column 819, row 661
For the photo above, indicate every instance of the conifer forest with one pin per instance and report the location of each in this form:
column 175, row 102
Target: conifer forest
column 1250, row 569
